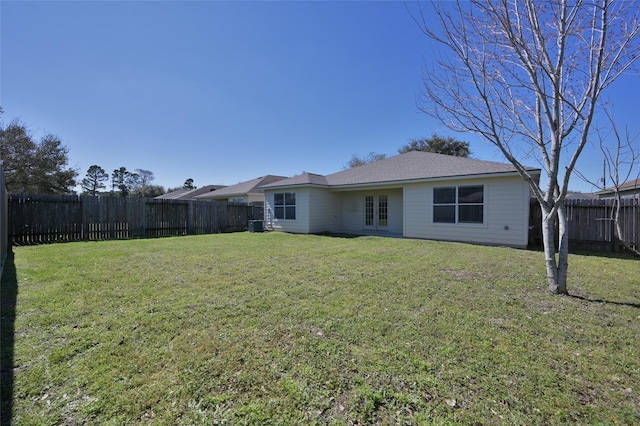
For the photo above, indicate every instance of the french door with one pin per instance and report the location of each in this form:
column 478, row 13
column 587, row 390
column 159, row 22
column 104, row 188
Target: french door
column 376, row 211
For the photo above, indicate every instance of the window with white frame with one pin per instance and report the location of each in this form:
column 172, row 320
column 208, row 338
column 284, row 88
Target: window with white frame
column 284, row 205
column 458, row 204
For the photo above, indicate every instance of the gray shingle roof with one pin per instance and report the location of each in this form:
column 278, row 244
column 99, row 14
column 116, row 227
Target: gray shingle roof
column 248, row 187
column 413, row 165
column 628, row 186
column 304, row 179
column 188, row 194
column 174, row 195
column 632, row 184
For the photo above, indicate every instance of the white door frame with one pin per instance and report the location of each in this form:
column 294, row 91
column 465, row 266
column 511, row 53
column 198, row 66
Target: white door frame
column 376, row 211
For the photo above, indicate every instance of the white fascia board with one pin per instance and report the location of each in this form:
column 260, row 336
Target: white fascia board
column 400, row 183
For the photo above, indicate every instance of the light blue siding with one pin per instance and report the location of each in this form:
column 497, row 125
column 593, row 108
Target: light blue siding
column 506, row 214
column 506, row 211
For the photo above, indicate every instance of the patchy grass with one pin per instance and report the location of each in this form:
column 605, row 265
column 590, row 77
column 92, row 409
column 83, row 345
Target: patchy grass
column 290, row 329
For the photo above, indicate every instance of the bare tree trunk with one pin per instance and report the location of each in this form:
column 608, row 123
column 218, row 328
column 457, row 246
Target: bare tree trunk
column 556, row 268
column 619, row 235
column 527, row 76
column 549, row 248
column 563, row 252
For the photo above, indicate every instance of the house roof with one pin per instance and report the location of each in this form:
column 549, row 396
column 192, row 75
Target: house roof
column 410, row 166
column 627, row 186
column 632, row 187
column 188, row 194
column 173, row 195
column 581, row 196
column 243, row 188
column 304, row 179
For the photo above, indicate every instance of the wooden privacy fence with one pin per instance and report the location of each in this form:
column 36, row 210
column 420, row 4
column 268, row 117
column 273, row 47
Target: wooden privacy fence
column 38, row 219
column 4, row 228
column 591, row 225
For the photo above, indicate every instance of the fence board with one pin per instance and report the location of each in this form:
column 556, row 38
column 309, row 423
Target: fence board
column 4, row 215
column 38, row 219
column 591, row 225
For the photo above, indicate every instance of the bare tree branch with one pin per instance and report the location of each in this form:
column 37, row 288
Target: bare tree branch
column 527, row 76
column 621, row 161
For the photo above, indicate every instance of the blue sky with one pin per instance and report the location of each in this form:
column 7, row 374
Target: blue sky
column 223, row 92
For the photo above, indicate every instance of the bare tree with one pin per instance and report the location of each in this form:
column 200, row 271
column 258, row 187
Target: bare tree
column 141, row 186
column 146, row 177
column 527, row 76
column 620, row 161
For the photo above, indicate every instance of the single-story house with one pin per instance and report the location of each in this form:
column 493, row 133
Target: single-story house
column 188, row 194
column 249, row 192
column 629, row 189
column 416, row 194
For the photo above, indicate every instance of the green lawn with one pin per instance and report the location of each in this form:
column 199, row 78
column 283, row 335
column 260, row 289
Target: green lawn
column 274, row 328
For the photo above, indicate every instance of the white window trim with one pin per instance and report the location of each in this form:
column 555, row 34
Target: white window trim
column 285, row 205
column 457, row 224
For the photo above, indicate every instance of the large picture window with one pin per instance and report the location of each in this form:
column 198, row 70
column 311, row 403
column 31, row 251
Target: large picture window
column 458, row 204
column 284, row 205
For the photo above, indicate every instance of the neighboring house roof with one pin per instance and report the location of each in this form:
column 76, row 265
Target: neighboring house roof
column 629, row 187
column 189, row 194
column 173, row 195
column 243, row 188
column 410, row 166
column 581, row 196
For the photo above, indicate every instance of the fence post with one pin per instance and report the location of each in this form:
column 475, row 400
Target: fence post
column 190, row 224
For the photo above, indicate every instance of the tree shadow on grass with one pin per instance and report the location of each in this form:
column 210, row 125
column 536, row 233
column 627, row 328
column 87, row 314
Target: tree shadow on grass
column 606, row 254
column 8, row 297
column 338, row 235
column 609, row 302
column 362, row 234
